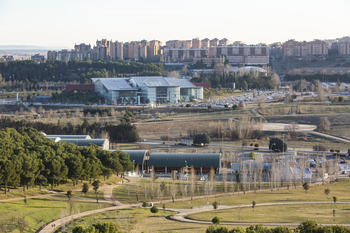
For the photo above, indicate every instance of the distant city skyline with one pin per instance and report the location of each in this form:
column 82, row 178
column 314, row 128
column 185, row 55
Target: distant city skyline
column 65, row 23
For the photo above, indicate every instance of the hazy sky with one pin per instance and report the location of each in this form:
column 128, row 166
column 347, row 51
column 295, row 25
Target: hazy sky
column 66, row 22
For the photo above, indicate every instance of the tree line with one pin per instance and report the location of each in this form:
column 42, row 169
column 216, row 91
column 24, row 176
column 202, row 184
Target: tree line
column 80, row 71
column 309, row 226
column 124, row 132
column 27, row 158
column 77, row 97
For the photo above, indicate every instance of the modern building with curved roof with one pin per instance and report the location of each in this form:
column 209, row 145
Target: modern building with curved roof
column 103, row 143
column 138, row 156
column 201, row 162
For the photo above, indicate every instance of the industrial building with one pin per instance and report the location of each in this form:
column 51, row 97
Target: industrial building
column 138, row 90
column 165, row 163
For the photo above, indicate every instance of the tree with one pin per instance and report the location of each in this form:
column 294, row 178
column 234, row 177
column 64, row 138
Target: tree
column 253, row 205
column 309, row 226
column 324, row 124
column 173, row 185
column 201, row 139
column 154, row 210
column 69, row 195
column 327, row 191
column 216, row 220
column 306, row 187
column 96, row 185
column 215, row 205
column 85, row 188
column 277, row 144
column 334, row 199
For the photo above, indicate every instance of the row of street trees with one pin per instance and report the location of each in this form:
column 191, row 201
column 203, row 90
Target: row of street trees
column 28, row 158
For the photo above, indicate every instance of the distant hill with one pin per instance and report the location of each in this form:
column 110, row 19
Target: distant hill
column 30, row 47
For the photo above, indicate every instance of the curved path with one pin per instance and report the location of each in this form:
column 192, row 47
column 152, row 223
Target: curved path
column 182, row 213
column 108, row 198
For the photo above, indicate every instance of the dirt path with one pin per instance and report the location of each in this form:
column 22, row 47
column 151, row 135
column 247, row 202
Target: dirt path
column 182, row 213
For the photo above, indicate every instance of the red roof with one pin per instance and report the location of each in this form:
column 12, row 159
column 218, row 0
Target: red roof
column 205, row 85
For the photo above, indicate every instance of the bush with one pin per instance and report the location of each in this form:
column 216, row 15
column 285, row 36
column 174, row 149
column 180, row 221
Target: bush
column 251, row 144
column 144, row 204
column 188, row 105
column 331, row 150
column 216, row 220
column 256, row 145
column 234, row 107
column 154, row 210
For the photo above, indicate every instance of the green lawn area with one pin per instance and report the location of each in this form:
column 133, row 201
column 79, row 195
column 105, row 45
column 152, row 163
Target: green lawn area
column 40, row 211
column 322, row 213
column 129, row 220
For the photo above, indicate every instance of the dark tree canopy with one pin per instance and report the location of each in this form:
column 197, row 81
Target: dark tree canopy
column 200, row 139
column 27, row 157
column 277, row 145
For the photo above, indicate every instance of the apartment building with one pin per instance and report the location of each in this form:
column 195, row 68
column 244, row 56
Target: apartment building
column 312, row 49
column 343, row 46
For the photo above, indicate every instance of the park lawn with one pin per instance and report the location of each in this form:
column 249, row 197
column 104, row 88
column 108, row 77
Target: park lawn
column 321, row 213
column 40, row 211
column 139, row 220
column 129, row 220
column 20, row 193
column 339, row 189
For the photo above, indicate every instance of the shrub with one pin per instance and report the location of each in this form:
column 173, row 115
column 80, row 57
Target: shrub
column 154, row 210
column 216, row 220
column 144, row 204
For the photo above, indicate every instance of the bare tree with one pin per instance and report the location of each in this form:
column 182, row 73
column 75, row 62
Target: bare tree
column 260, row 174
column 152, row 182
column 173, row 185
column 287, row 175
column 243, row 177
column 324, row 124
column 224, row 181
column 323, row 167
column 211, row 181
column 192, row 182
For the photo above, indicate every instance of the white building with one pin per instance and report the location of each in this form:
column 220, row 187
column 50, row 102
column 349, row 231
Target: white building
column 136, row 90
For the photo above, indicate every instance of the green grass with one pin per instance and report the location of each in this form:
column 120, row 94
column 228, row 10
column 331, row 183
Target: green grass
column 126, row 219
column 322, row 213
column 20, row 193
column 38, row 212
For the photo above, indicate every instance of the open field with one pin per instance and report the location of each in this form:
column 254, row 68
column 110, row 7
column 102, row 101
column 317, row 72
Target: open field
column 322, row 213
column 40, row 211
column 129, row 220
